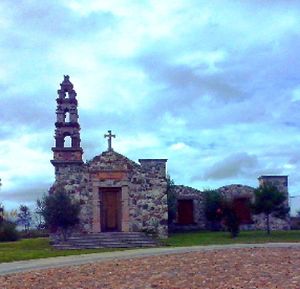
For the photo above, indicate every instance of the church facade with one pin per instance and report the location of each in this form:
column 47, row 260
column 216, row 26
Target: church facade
column 115, row 193
column 118, row 194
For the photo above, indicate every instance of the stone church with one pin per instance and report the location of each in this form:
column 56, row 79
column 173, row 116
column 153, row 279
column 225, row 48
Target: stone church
column 118, row 194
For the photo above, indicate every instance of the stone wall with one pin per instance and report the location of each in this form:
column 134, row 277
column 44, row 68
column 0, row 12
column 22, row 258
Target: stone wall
column 144, row 195
column 74, row 178
column 154, row 167
column 143, row 192
column 259, row 223
column 231, row 192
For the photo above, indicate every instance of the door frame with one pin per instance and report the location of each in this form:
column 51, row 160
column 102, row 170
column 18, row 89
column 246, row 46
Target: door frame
column 117, row 191
column 97, row 187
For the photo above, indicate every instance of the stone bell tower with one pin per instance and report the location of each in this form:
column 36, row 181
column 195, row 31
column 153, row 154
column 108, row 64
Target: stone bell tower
column 67, row 152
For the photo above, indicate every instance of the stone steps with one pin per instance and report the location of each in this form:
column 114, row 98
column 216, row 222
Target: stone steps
column 108, row 240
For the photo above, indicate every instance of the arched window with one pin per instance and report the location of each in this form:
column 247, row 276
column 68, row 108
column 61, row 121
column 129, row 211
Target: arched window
column 67, row 117
column 67, row 141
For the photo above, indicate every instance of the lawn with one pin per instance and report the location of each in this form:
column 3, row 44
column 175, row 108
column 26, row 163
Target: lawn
column 219, row 238
column 37, row 248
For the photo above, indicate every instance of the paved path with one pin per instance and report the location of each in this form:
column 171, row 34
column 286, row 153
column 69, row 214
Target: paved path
column 55, row 262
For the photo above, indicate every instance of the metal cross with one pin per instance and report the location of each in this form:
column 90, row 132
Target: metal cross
column 109, row 136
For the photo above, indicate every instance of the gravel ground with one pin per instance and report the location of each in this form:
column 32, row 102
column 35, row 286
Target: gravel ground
column 227, row 269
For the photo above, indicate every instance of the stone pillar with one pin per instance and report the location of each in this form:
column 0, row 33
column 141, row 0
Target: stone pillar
column 154, row 166
column 280, row 182
column 96, row 210
column 125, row 210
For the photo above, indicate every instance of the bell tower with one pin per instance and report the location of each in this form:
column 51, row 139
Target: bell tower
column 67, row 150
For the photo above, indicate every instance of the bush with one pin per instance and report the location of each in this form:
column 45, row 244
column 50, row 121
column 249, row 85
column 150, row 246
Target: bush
column 60, row 212
column 34, row 233
column 8, row 232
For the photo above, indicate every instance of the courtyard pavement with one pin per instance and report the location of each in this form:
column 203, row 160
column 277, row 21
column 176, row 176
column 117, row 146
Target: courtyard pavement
column 56, row 262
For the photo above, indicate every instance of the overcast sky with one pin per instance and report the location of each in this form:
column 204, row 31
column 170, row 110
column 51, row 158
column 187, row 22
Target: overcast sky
column 214, row 86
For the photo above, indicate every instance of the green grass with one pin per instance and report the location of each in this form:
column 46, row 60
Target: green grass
column 219, row 238
column 37, row 248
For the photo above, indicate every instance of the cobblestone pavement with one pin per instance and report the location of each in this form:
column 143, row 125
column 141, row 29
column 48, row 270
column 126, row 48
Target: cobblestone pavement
column 245, row 268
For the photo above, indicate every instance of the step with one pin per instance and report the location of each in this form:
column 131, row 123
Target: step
column 108, row 240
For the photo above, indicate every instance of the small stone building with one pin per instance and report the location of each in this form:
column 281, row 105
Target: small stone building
column 118, row 194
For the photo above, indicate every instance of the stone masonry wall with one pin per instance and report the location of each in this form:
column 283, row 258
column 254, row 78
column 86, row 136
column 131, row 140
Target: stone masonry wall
column 259, row 222
column 74, row 179
column 231, row 192
column 145, row 208
column 187, row 193
column 146, row 186
column 147, row 200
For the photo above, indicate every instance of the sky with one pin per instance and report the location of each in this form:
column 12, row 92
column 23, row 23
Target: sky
column 213, row 86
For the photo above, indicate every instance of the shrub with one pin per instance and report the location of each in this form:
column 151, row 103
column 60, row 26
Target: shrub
column 60, row 212
column 8, row 232
column 34, row 233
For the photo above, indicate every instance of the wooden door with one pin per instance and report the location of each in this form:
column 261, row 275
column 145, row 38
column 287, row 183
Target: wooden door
column 185, row 210
column 111, row 210
column 242, row 209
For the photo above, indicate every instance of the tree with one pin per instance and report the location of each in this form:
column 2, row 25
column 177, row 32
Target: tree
column 1, row 208
column 221, row 211
column 269, row 200
column 10, row 215
column 1, row 213
column 24, row 217
column 171, row 199
column 230, row 218
column 38, row 214
column 8, row 230
column 60, row 212
column 213, row 201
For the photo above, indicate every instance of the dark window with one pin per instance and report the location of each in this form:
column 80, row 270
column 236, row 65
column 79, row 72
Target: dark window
column 242, row 209
column 185, row 210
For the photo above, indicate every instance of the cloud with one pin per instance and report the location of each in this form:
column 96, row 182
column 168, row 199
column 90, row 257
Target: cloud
column 27, row 193
column 232, row 166
column 212, row 86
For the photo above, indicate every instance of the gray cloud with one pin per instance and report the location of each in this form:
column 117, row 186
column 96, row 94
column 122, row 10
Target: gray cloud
column 232, row 166
column 27, row 110
column 55, row 19
column 26, row 192
column 185, row 84
column 217, row 78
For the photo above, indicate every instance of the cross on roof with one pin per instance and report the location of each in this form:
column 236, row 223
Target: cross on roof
column 109, row 136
